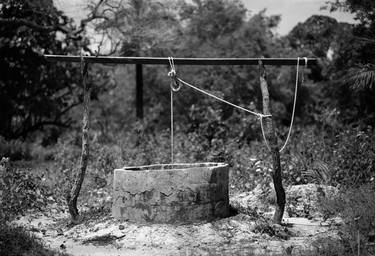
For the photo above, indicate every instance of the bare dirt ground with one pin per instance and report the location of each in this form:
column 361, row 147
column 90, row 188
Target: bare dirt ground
column 236, row 235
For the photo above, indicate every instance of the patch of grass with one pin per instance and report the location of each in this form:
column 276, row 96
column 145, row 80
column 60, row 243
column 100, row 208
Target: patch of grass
column 356, row 207
column 16, row 241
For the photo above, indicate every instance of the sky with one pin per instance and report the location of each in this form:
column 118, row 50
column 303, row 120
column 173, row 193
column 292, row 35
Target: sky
column 291, row 11
column 294, row 11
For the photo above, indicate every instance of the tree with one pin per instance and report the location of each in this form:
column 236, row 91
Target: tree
column 137, row 28
column 360, row 77
column 33, row 92
column 221, row 28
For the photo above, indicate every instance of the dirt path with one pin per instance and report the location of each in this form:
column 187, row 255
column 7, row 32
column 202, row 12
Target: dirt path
column 236, row 235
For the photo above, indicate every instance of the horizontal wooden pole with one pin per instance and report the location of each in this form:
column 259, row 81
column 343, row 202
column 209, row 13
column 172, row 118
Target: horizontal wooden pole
column 182, row 61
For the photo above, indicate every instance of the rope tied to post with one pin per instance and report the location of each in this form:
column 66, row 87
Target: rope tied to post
column 176, row 86
column 294, row 107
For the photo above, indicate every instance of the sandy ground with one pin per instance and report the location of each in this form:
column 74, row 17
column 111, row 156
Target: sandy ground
column 236, row 235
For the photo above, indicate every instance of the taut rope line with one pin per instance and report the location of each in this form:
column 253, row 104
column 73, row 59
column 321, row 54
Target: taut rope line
column 176, row 86
column 260, row 115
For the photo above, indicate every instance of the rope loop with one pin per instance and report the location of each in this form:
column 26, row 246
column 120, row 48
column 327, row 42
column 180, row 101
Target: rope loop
column 177, row 83
column 294, row 103
column 261, row 116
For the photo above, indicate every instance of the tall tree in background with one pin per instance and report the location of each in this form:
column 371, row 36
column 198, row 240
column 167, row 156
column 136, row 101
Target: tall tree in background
column 33, row 92
column 138, row 28
column 360, row 77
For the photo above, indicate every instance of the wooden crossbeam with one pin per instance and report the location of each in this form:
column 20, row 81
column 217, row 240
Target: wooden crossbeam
column 182, row 61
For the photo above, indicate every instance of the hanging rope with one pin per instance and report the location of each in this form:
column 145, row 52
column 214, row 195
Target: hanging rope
column 172, row 145
column 293, row 111
column 294, row 108
column 176, row 86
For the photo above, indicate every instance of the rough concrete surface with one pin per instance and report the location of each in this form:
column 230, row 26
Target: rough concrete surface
column 171, row 193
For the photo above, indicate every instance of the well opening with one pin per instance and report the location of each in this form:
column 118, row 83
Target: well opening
column 170, row 193
column 171, row 166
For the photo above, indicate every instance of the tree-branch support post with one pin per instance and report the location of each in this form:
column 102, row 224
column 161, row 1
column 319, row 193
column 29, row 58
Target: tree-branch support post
column 270, row 134
column 72, row 196
column 139, row 90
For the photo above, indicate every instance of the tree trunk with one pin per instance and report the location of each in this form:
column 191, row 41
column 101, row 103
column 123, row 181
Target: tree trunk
column 80, row 175
column 270, row 134
column 139, row 91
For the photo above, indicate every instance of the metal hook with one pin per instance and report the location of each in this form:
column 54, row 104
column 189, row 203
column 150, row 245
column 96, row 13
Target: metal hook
column 175, row 84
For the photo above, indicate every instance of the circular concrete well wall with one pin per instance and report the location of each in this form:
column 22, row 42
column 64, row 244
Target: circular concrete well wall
column 169, row 193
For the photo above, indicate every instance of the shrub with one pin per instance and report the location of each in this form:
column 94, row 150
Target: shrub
column 15, row 241
column 14, row 149
column 19, row 191
column 345, row 157
column 353, row 157
column 356, row 206
column 327, row 247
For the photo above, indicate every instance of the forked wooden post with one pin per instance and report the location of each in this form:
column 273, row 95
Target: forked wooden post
column 268, row 122
column 73, row 194
column 270, row 134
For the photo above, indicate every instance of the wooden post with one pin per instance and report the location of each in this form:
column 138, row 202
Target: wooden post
column 270, row 134
column 72, row 196
column 139, row 91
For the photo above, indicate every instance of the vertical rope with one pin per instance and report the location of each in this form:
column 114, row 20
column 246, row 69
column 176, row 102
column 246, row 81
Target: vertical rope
column 172, row 132
column 294, row 106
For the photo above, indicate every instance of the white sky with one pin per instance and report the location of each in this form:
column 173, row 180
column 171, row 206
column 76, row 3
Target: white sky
column 292, row 11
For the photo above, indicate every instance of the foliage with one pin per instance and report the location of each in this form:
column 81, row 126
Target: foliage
column 136, row 27
column 327, row 246
column 357, row 209
column 34, row 93
column 353, row 69
column 16, row 241
column 362, row 78
column 315, row 34
column 14, row 149
column 344, row 157
column 354, row 157
column 20, row 191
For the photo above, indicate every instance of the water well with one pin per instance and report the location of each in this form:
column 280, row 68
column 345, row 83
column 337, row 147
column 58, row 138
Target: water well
column 170, row 193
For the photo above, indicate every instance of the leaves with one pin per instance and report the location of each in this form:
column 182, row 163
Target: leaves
column 362, row 78
column 20, row 191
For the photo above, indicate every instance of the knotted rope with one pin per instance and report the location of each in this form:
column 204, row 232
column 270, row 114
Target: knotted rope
column 293, row 111
column 176, row 86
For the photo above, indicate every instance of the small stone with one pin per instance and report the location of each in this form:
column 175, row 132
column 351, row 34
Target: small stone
column 121, row 227
column 60, row 232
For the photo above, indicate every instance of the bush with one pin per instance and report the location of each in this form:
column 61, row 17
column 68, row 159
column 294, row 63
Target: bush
column 345, row 157
column 356, row 206
column 19, row 191
column 353, row 157
column 15, row 241
column 327, row 246
column 14, row 149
